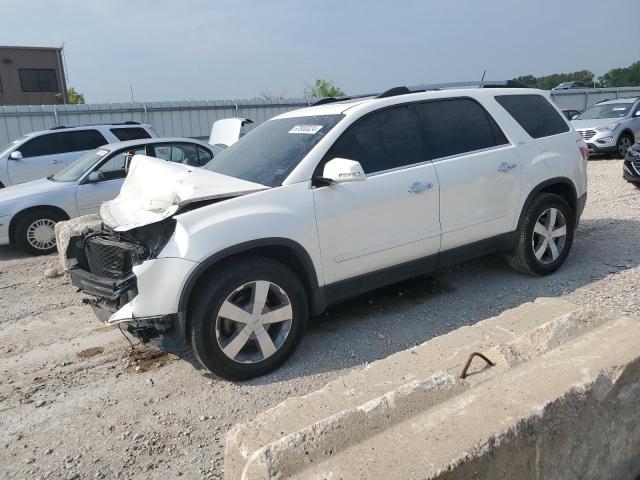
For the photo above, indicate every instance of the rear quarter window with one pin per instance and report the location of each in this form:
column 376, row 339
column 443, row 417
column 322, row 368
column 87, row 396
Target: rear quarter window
column 135, row 133
column 534, row 113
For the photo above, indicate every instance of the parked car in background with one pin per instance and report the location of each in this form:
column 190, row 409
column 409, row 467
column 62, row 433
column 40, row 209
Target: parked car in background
column 29, row 211
column 227, row 131
column 323, row 203
column 610, row 126
column 569, row 85
column 570, row 113
column 631, row 165
column 40, row 154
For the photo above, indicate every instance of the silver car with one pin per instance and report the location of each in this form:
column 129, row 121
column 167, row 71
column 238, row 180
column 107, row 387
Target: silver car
column 610, row 126
column 29, row 211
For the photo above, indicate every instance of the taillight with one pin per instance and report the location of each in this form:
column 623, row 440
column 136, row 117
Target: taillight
column 585, row 152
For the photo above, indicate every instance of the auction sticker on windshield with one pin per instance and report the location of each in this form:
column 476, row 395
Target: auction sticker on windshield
column 308, row 129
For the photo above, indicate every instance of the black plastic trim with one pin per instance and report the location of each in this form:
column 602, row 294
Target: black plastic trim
column 316, row 300
column 344, row 289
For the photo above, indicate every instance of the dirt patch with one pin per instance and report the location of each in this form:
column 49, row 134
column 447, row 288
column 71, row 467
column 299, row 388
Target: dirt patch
column 90, row 352
column 144, row 359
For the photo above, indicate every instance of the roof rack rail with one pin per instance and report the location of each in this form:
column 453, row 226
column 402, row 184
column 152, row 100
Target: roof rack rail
column 344, row 98
column 128, row 122
column 402, row 90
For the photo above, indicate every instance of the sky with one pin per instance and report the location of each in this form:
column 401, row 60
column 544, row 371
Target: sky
column 209, row 50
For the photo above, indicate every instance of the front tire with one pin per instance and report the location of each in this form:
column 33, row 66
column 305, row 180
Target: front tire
column 34, row 232
column 545, row 236
column 624, row 143
column 248, row 318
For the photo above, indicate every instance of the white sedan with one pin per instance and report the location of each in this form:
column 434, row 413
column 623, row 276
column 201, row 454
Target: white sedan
column 29, row 211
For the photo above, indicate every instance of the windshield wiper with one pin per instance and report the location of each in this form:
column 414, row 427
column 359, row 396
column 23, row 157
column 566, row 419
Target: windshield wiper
column 50, row 177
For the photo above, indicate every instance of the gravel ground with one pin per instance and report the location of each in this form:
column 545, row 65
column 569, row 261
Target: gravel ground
column 75, row 402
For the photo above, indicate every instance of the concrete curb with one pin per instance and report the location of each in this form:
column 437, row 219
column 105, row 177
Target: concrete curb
column 545, row 352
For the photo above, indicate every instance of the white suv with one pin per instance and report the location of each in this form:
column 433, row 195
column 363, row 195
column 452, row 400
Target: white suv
column 40, row 154
column 323, row 203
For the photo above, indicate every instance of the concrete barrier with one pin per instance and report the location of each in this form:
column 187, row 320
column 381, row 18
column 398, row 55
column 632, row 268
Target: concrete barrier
column 561, row 402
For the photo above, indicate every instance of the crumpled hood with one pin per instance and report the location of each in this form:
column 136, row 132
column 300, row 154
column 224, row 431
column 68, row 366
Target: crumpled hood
column 594, row 123
column 155, row 189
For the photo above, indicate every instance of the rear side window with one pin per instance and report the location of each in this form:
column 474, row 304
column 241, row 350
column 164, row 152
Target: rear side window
column 535, row 114
column 456, row 126
column 79, row 140
column 380, row 141
column 204, row 156
column 135, row 133
column 48, row 144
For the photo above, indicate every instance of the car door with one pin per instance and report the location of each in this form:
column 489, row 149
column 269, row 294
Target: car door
column 42, row 156
column 79, row 142
column 89, row 196
column 477, row 167
column 391, row 217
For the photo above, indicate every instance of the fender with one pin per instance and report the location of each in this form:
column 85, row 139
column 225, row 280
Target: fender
column 310, row 281
column 542, row 186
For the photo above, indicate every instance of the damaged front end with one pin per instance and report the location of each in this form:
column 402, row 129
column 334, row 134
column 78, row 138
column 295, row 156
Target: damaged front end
column 101, row 263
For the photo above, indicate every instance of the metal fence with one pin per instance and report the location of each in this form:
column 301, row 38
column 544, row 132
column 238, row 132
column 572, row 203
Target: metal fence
column 194, row 118
column 170, row 119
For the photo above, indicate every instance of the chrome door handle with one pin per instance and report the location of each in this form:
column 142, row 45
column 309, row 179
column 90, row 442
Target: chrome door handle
column 506, row 166
column 418, row 187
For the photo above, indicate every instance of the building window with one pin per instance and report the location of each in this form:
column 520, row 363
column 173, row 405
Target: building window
column 38, row 80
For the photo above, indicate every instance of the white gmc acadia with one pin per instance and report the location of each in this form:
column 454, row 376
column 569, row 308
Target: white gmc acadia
column 323, row 203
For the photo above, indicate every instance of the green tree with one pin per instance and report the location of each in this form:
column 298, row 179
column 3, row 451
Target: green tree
column 74, row 97
column 622, row 77
column 324, row 88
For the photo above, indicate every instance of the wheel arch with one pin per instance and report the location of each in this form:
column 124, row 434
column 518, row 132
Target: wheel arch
column 284, row 250
column 20, row 215
column 562, row 186
column 627, row 131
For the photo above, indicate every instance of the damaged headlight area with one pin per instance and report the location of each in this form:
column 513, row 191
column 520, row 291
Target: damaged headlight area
column 101, row 263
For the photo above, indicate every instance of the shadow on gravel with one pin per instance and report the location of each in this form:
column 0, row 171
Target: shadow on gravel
column 10, row 252
column 409, row 313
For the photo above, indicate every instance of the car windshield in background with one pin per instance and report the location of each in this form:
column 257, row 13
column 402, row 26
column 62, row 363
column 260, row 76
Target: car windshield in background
column 610, row 110
column 270, row 152
column 77, row 169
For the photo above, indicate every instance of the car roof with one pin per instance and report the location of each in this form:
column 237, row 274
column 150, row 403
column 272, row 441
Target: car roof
column 357, row 105
column 147, row 141
column 87, row 127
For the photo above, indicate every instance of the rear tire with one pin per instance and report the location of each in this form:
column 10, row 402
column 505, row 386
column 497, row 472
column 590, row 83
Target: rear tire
column 34, row 232
column 533, row 253
column 248, row 318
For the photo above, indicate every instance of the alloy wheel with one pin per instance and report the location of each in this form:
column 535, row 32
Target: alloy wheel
column 253, row 322
column 549, row 235
column 41, row 234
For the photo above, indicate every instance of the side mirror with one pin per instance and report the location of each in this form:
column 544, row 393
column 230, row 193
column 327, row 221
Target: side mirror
column 95, row 177
column 342, row 170
column 16, row 155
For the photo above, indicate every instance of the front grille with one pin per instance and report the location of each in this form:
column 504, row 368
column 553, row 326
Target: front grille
column 587, row 134
column 636, row 166
column 111, row 258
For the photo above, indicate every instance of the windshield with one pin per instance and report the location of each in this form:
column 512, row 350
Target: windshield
column 12, row 144
column 77, row 169
column 610, row 110
column 269, row 153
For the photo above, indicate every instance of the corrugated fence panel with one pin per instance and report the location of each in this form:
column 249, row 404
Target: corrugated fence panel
column 194, row 118
column 169, row 118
